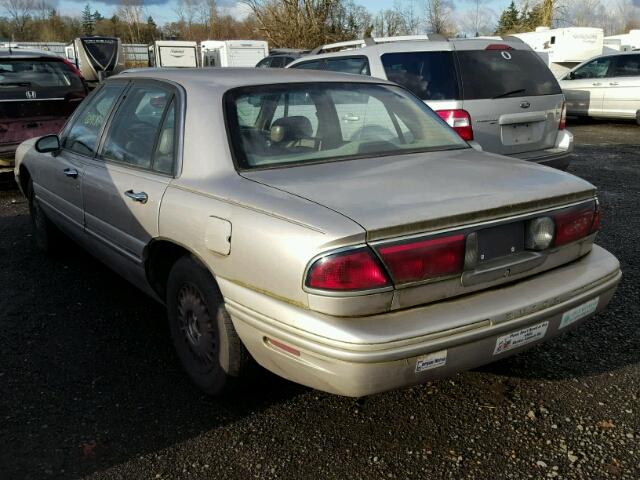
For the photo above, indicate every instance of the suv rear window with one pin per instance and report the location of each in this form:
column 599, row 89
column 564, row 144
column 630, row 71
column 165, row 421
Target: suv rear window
column 34, row 73
column 430, row 75
column 505, row 73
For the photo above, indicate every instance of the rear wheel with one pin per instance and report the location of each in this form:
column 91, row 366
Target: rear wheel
column 206, row 342
column 45, row 234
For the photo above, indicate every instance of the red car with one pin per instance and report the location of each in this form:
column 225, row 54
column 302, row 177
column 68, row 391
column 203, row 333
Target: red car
column 38, row 92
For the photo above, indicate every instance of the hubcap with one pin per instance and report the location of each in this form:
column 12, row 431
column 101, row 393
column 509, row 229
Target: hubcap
column 196, row 325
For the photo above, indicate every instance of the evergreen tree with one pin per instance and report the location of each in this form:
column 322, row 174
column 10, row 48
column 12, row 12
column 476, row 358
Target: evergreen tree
column 87, row 20
column 97, row 16
column 509, row 20
column 151, row 30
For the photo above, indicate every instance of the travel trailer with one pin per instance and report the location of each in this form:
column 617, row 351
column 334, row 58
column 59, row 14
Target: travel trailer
column 173, row 53
column 233, row 53
column 96, row 57
column 625, row 42
column 564, row 48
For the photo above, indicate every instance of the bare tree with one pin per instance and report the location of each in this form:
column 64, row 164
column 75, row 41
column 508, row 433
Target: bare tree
column 408, row 10
column 20, row 12
column 438, row 17
column 132, row 14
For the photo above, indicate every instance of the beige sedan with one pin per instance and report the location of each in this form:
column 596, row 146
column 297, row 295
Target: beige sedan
column 330, row 226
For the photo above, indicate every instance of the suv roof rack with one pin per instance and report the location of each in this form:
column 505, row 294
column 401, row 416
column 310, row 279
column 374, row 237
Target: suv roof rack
column 369, row 41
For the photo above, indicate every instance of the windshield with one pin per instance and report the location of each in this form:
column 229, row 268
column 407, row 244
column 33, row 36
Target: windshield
column 274, row 125
column 505, row 73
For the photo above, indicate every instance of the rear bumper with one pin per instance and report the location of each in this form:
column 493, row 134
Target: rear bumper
column 362, row 356
column 557, row 157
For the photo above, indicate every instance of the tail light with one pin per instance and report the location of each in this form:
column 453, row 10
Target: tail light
column 72, row 67
column 576, row 223
column 460, row 120
column 424, row 259
column 352, row 270
column 563, row 117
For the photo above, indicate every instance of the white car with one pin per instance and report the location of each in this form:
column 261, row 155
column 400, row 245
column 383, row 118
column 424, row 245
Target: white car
column 607, row 86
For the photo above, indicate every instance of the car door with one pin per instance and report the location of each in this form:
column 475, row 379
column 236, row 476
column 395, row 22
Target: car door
column 584, row 87
column 622, row 95
column 125, row 183
column 58, row 180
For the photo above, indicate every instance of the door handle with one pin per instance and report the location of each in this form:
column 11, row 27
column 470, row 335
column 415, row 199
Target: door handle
column 596, row 84
column 141, row 197
column 614, row 83
column 71, row 172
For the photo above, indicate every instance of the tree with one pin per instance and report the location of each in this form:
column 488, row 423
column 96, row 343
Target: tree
column 20, row 12
column 509, row 21
column 438, row 18
column 88, row 21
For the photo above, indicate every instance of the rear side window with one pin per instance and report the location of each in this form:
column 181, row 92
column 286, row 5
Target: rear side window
column 505, row 73
column 628, row 66
column 355, row 65
column 430, row 75
column 311, row 65
column 83, row 134
column 37, row 73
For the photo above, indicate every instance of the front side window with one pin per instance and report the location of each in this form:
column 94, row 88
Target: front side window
column 312, row 65
column 136, row 126
column 598, row 68
column 276, row 125
column 628, row 66
column 82, row 136
column 430, row 75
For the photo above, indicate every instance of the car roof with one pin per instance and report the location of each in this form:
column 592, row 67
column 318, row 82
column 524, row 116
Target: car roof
column 17, row 52
column 227, row 78
column 420, row 46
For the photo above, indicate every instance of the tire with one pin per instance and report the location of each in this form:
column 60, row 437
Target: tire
column 207, row 345
column 45, row 234
column 638, row 117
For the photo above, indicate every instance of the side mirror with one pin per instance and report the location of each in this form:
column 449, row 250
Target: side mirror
column 48, row 143
column 570, row 76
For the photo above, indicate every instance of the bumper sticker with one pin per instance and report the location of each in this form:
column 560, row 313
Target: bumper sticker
column 432, row 360
column 521, row 337
column 579, row 312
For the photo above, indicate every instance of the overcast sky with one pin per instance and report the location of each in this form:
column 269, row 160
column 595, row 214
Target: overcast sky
column 164, row 10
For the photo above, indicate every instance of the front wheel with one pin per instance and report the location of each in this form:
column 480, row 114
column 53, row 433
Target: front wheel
column 204, row 337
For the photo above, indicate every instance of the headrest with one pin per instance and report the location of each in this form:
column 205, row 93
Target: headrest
column 287, row 129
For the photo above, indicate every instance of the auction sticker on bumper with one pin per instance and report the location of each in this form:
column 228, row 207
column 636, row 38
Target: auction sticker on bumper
column 521, row 337
column 579, row 312
column 433, row 360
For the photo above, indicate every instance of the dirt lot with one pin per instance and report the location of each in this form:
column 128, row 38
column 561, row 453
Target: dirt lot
column 89, row 384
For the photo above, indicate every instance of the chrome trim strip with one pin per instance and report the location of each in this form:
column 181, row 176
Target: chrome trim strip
column 32, row 100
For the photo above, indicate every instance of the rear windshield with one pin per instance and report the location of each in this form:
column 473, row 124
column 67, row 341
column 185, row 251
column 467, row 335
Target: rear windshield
column 505, row 73
column 430, row 75
column 37, row 73
column 274, row 125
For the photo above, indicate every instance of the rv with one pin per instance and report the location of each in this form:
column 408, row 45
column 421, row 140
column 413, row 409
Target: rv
column 96, row 57
column 564, row 48
column 173, row 53
column 625, row 42
column 233, row 53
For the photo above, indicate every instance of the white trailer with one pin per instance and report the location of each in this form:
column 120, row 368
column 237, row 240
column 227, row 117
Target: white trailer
column 173, row 53
column 564, row 48
column 624, row 42
column 233, row 53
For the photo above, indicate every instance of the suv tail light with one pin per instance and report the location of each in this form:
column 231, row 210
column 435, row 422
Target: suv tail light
column 352, row 270
column 72, row 67
column 460, row 120
column 576, row 223
column 424, row 259
column 563, row 116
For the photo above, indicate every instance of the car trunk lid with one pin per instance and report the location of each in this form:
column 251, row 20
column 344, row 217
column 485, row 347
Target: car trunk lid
column 394, row 196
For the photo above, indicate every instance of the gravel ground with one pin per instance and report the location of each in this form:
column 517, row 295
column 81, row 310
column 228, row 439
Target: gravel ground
column 90, row 387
